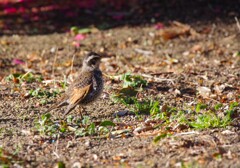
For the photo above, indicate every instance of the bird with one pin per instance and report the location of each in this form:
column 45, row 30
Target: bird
column 86, row 88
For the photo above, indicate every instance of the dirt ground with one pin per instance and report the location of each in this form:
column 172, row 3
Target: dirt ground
column 178, row 61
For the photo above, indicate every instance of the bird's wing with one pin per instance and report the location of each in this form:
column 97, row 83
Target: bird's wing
column 75, row 92
column 79, row 94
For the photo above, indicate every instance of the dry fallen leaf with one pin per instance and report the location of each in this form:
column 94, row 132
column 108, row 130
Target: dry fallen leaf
column 175, row 30
column 204, row 91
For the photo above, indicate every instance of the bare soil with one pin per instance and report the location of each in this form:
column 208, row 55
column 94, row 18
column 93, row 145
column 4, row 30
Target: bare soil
column 206, row 57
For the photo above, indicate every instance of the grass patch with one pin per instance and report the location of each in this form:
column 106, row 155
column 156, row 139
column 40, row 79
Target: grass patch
column 41, row 93
column 199, row 120
column 147, row 106
column 21, row 78
column 209, row 120
column 45, row 126
column 200, row 116
column 134, row 81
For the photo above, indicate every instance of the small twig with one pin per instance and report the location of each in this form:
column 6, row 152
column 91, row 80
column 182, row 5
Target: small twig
column 51, row 81
column 70, row 75
column 55, row 152
column 26, row 74
column 238, row 24
column 186, row 133
column 212, row 99
column 161, row 73
column 157, row 79
column 213, row 29
column 53, row 70
column 144, row 52
column 41, row 64
column 72, row 63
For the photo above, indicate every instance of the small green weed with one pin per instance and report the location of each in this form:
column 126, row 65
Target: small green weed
column 21, row 78
column 179, row 116
column 46, row 127
column 209, row 119
column 192, row 164
column 90, row 128
column 146, row 107
column 196, row 119
column 200, row 107
column 87, row 127
column 125, row 96
column 63, row 83
column 132, row 85
column 76, row 30
column 237, row 53
column 60, row 164
column 217, row 107
column 200, row 117
column 40, row 93
column 160, row 137
column 134, row 81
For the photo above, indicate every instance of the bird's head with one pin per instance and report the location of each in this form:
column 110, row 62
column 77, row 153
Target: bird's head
column 91, row 61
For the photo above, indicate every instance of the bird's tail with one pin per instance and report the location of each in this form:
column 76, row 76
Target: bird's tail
column 55, row 106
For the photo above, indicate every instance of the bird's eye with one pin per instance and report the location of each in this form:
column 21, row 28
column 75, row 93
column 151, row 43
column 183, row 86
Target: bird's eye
column 93, row 62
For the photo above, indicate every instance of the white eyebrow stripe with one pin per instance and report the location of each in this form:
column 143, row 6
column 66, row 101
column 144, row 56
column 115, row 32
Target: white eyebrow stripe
column 91, row 57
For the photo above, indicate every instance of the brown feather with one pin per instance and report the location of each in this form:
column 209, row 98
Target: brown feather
column 79, row 94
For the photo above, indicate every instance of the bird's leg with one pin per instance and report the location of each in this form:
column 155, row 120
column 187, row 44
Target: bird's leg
column 81, row 110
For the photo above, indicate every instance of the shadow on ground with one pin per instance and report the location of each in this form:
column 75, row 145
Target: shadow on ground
column 44, row 17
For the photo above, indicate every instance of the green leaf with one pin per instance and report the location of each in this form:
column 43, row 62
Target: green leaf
column 200, row 107
column 46, row 116
column 74, row 29
column 84, row 30
column 107, row 123
column 155, row 108
column 128, row 91
column 91, row 129
column 80, row 132
column 86, row 120
column 159, row 137
column 132, row 80
column 69, row 119
column 60, row 164
column 218, row 106
column 233, row 105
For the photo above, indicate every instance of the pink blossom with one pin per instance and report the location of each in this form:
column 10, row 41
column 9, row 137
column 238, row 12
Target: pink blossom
column 16, row 61
column 79, row 37
column 159, row 26
column 10, row 10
